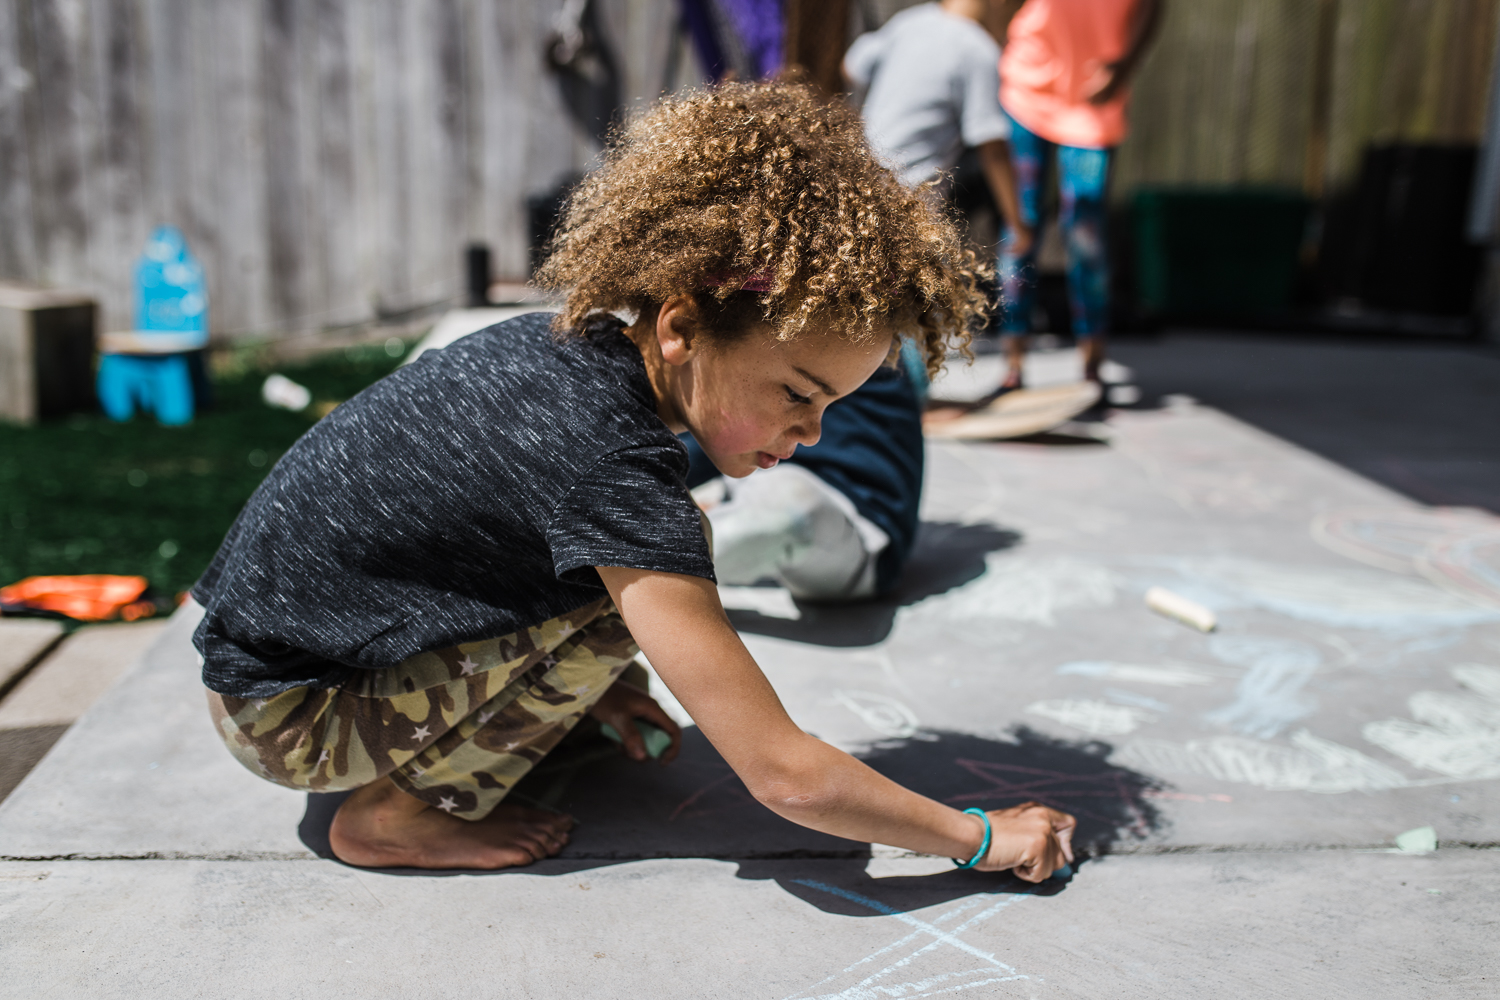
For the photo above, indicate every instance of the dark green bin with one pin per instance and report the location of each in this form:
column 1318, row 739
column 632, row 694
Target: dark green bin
column 1217, row 252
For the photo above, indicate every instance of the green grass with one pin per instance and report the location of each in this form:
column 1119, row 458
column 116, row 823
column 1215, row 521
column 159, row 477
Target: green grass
column 87, row 495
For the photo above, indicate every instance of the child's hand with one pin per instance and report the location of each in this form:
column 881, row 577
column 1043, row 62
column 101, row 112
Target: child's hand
column 621, row 705
column 1031, row 839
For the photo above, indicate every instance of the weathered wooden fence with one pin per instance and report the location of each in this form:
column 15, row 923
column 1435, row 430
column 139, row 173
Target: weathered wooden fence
column 328, row 160
column 1292, row 91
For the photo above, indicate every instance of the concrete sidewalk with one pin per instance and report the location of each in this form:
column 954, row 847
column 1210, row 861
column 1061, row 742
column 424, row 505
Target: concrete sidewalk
column 1240, row 791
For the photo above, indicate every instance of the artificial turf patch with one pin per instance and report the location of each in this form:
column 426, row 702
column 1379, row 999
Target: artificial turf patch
column 87, row 495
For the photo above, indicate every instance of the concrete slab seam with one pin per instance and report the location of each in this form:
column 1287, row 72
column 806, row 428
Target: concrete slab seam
column 20, row 675
column 1160, row 850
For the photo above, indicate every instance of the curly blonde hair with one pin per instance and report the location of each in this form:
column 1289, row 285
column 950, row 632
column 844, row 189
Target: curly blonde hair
column 767, row 180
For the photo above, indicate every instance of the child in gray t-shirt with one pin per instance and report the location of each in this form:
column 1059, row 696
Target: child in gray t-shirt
column 929, row 83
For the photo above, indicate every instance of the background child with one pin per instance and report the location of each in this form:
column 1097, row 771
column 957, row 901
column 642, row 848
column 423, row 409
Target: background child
column 444, row 575
column 1065, row 83
column 836, row 521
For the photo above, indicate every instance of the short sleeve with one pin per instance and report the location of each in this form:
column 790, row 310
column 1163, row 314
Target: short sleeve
column 982, row 119
column 632, row 509
column 863, row 57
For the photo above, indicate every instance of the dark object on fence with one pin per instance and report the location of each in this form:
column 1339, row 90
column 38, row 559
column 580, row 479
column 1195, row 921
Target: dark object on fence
column 46, row 353
column 1398, row 241
column 542, row 213
column 477, row 275
column 1221, row 253
column 587, row 71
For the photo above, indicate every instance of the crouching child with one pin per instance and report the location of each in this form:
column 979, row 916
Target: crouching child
column 447, row 573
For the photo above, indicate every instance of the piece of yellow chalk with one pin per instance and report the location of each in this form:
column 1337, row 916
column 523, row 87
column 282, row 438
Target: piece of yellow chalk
column 1164, row 602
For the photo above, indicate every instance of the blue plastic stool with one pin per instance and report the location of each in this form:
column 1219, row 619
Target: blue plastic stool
column 160, row 384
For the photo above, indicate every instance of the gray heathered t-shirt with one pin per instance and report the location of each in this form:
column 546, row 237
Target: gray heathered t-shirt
column 465, row 497
column 932, row 87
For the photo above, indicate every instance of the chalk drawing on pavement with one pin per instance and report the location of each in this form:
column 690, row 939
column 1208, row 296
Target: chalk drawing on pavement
column 1270, row 696
column 1096, row 718
column 1165, row 675
column 1457, row 735
column 1022, row 589
column 932, row 958
column 885, row 715
column 1347, row 598
column 1309, row 764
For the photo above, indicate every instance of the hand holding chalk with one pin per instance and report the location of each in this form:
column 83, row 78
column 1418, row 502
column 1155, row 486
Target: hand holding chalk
column 655, row 735
column 1030, row 839
column 657, row 740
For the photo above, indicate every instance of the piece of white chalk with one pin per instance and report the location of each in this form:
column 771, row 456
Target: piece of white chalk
column 1164, row 602
column 282, row 392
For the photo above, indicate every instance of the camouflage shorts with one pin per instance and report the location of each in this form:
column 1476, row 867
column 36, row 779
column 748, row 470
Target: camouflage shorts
column 456, row 728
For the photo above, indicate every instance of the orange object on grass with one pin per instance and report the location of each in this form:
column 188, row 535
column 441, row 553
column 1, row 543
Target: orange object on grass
column 91, row 598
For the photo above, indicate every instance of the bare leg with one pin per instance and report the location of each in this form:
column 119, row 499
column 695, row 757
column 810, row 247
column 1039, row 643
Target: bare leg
column 1015, row 361
column 1092, row 349
column 380, row 826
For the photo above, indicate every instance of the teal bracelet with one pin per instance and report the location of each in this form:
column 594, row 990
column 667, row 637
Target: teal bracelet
column 984, row 848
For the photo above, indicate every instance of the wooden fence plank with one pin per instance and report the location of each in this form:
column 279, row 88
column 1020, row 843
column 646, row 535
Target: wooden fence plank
column 119, row 224
column 386, row 55
column 57, row 182
column 507, row 85
column 328, row 159
column 285, row 205
column 239, row 281
column 345, row 298
column 308, row 174
column 17, row 92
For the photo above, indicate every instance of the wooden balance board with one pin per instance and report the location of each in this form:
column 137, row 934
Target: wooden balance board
column 1019, row 413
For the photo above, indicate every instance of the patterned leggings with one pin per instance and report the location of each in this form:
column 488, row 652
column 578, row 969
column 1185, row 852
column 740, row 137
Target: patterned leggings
column 1082, row 176
column 456, row 728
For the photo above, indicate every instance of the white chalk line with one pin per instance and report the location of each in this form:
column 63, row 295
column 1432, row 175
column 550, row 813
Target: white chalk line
column 882, row 713
column 865, row 988
column 1095, row 718
column 1022, row 589
column 1456, row 735
column 1170, row 676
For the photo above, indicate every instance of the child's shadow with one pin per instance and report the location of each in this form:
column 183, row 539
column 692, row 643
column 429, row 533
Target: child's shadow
column 697, row 808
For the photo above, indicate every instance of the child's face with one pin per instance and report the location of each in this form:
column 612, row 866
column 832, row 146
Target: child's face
column 751, row 402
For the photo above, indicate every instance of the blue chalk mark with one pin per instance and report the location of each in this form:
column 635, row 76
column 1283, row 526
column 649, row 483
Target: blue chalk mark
column 1138, row 700
column 852, row 897
column 1270, row 696
column 1086, row 668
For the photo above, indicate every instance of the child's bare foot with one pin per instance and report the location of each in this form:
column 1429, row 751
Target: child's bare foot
column 380, row 826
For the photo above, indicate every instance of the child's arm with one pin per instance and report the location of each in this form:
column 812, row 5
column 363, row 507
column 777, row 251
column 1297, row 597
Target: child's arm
column 681, row 625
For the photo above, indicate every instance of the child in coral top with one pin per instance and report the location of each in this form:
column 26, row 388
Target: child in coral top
column 1064, row 82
